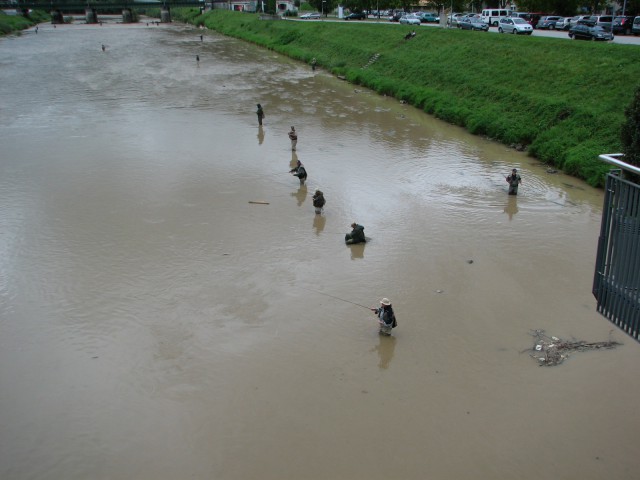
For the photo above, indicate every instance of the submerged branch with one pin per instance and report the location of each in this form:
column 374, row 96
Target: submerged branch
column 551, row 351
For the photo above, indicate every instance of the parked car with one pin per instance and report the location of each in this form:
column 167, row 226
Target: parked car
column 548, row 23
column 429, row 18
column 586, row 32
column 622, row 25
column 410, row 19
column 396, row 16
column 635, row 28
column 310, row 16
column 356, row 16
column 523, row 15
column 452, row 20
column 472, row 23
column 514, row 25
column 575, row 20
column 604, row 21
column 534, row 18
column 563, row 23
column 492, row 16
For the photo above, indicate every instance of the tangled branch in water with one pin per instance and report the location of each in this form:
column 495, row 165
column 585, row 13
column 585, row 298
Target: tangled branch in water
column 551, row 351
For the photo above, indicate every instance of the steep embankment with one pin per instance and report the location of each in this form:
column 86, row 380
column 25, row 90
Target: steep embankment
column 563, row 99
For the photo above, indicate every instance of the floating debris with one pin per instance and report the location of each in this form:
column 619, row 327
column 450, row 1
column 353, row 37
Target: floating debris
column 552, row 351
column 259, row 202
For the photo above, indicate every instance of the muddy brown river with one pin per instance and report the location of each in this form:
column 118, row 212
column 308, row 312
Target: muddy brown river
column 155, row 324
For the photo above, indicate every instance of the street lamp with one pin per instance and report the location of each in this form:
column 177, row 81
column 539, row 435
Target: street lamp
column 322, row 7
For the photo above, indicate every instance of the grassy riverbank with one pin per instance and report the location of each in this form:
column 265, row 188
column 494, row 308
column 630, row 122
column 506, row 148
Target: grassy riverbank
column 563, row 99
column 16, row 23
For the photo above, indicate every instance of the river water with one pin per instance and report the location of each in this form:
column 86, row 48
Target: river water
column 154, row 324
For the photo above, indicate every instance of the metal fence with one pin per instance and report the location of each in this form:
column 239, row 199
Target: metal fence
column 617, row 274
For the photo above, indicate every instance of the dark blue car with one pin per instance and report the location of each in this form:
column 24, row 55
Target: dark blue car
column 587, row 32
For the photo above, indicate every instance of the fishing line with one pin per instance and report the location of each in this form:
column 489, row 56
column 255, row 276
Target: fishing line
column 338, row 298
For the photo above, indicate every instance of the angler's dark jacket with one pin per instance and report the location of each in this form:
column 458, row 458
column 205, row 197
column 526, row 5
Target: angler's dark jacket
column 318, row 200
column 356, row 235
column 300, row 172
column 386, row 315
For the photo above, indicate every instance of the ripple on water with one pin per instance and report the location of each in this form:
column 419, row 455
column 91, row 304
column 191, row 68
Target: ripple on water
column 459, row 179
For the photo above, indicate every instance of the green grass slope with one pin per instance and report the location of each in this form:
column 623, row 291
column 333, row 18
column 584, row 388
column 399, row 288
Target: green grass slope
column 563, row 99
column 15, row 23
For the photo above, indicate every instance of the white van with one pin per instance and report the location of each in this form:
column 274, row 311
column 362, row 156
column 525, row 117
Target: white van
column 492, row 16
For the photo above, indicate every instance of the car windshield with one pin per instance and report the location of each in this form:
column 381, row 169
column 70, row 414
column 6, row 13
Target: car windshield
column 598, row 27
column 518, row 20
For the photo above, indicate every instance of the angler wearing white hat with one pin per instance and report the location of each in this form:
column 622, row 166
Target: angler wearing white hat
column 386, row 317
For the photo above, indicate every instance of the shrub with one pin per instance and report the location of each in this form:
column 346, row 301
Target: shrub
column 630, row 133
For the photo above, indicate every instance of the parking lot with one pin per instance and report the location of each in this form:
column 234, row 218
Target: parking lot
column 623, row 39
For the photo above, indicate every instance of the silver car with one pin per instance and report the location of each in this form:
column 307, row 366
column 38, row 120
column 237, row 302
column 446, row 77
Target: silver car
column 563, row 23
column 514, row 25
column 410, row 19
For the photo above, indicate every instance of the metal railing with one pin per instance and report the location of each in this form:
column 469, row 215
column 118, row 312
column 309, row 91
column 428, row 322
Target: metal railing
column 616, row 283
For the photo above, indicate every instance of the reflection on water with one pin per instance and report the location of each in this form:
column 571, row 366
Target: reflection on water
column 260, row 135
column 512, row 206
column 385, row 348
column 300, row 194
column 319, row 221
column 357, row 250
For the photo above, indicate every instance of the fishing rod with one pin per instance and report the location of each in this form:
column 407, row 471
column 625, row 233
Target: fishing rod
column 341, row 299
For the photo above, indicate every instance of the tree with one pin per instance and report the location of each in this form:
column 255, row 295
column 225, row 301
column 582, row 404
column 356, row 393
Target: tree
column 633, row 8
column 270, row 6
column 630, row 134
column 458, row 5
column 475, row 6
column 567, row 8
column 329, row 5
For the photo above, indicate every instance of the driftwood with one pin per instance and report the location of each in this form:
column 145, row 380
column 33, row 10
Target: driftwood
column 551, row 351
column 259, row 202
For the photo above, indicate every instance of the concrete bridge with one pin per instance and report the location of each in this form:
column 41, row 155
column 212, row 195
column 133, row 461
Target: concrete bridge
column 91, row 9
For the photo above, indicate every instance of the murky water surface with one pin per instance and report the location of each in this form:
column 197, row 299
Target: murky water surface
column 157, row 325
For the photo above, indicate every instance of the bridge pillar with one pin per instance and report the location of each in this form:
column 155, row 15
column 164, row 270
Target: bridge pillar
column 56, row 17
column 165, row 15
column 90, row 15
column 127, row 15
